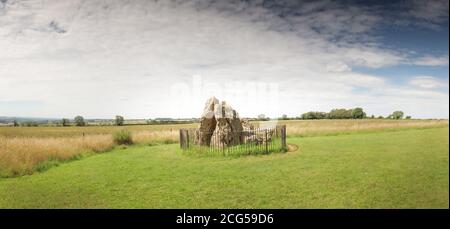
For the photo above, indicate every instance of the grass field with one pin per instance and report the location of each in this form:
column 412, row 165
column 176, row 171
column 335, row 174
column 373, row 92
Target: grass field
column 24, row 150
column 384, row 169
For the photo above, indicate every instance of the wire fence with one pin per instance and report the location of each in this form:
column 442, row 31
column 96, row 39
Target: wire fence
column 250, row 141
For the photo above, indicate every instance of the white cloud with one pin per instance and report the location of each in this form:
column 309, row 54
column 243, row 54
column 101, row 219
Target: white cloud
column 428, row 82
column 432, row 61
column 117, row 57
column 337, row 67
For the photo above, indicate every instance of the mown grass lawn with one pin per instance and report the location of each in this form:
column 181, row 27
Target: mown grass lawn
column 400, row 169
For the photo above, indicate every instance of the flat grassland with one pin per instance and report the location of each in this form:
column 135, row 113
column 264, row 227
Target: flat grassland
column 25, row 150
column 408, row 168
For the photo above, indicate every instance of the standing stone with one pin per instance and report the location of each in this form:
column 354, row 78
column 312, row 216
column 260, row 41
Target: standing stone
column 207, row 122
column 219, row 125
column 228, row 131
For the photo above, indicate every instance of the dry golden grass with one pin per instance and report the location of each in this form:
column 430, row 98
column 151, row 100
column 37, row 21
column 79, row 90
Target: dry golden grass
column 151, row 137
column 58, row 131
column 331, row 127
column 26, row 149
column 22, row 155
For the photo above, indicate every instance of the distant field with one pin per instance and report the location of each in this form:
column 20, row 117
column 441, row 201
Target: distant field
column 295, row 127
column 332, row 127
column 395, row 169
column 23, row 150
column 70, row 131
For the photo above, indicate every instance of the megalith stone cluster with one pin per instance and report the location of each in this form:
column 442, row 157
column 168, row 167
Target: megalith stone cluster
column 220, row 125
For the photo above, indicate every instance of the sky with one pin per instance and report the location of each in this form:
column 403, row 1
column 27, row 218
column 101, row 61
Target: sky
column 149, row 59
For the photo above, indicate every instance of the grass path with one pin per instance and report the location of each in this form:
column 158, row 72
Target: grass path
column 402, row 169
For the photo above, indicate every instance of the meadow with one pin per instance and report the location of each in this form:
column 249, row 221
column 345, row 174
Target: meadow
column 25, row 150
column 406, row 168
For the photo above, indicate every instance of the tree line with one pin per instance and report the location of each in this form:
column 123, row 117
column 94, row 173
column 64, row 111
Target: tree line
column 117, row 121
column 355, row 113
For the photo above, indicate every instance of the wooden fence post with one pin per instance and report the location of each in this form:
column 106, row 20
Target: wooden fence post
column 283, row 137
column 187, row 139
column 183, row 144
column 181, row 138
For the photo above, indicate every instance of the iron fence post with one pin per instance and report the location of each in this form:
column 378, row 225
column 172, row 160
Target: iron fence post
column 266, row 140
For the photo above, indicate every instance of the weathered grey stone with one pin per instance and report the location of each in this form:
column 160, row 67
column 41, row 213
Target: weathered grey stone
column 207, row 122
column 228, row 130
column 220, row 125
column 223, row 110
column 208, row 111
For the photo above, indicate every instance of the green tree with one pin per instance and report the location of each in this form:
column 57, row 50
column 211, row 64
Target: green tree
column 79, row 121
column 262, row 117
column 340, row 114
column 119, row 120
column 314, row 115
column 358, row 113
column 15, row 123
column 408, row 117
column 397, row 115
column 65, row 122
